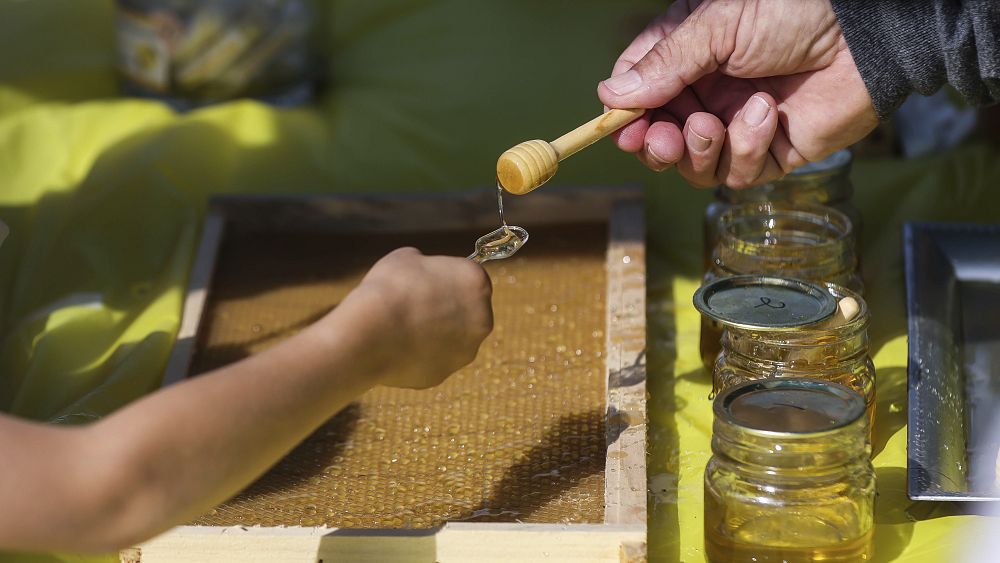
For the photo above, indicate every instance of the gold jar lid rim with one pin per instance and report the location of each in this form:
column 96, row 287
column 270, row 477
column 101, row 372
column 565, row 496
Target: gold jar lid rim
column 835, row 161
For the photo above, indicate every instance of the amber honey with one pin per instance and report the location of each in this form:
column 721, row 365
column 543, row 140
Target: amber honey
column 789, row 480
column 837, row 354
column 722, row 549
column 798, row 340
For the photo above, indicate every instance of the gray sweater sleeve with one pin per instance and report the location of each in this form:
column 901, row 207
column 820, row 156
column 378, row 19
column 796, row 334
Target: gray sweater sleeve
column 905, row 46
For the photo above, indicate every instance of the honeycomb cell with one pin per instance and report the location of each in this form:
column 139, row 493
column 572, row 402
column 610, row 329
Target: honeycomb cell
column 496, row 442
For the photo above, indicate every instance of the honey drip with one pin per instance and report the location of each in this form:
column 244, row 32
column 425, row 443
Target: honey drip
column 501, row 243
column 500, row 204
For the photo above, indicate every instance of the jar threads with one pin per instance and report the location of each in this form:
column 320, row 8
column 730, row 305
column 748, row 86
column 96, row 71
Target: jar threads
column 838, row 354
column 784, row 328
column 825, row 182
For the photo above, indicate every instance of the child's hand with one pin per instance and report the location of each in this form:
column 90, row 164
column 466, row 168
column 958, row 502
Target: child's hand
column 170, row 456
column 425, row 316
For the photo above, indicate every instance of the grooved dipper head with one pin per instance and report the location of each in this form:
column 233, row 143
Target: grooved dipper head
column 526, row 166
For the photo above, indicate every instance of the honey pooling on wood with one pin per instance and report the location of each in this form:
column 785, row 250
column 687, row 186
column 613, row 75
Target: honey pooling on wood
column 517, row 435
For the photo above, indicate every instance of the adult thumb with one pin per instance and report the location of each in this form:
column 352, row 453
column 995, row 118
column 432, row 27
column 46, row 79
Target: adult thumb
column 678, row 59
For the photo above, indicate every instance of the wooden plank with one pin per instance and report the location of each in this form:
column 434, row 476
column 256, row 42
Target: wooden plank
column 194, row 302
column 633, row 552
column 625, row 469
column 418, row 213
column 457, row 542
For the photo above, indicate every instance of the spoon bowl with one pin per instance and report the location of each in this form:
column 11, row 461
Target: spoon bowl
column 499, row 244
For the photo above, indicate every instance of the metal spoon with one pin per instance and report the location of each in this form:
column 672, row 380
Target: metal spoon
column 499, row 244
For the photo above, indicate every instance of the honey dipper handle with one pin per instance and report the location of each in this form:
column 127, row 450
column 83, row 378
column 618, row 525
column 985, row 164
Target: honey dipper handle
column 588, row 133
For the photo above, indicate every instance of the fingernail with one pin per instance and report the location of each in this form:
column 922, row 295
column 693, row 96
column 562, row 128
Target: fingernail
column 697, row 142
column 659, row 159
column 624, row 83
column 755, row 111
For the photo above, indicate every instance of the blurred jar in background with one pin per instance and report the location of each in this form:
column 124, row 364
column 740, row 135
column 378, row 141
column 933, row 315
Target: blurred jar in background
column 192, row 53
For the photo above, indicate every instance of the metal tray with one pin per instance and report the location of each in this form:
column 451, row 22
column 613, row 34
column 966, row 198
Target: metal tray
column 953, row 309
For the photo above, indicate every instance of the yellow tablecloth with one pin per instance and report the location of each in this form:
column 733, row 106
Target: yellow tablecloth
column 104, row 195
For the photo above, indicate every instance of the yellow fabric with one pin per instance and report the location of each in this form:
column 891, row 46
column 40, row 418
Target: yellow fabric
column 104, row 197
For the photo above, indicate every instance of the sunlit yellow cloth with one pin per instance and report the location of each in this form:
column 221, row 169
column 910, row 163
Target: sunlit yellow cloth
column 104, row 198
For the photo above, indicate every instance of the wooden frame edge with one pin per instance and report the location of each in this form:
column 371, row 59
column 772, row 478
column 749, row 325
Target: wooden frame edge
column 195, row 298
column 453, row 542
column 625, row 469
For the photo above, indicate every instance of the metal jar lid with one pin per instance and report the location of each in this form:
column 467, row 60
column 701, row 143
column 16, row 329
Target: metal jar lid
column 764, row 302
column 790, row 405
column 839, row 159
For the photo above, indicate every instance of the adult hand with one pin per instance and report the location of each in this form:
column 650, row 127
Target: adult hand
column 739, row 92
column 423, row 316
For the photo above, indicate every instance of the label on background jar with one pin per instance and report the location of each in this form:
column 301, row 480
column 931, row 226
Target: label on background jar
column 144, row 47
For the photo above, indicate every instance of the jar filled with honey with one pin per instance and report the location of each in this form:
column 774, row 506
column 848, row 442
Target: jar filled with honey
column 790, row 479
column 823, row 182
column 780, row 328
column 802, row 241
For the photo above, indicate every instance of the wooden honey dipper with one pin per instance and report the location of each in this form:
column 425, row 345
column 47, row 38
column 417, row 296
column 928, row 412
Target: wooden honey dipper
column 530, row 164
column 847, row 309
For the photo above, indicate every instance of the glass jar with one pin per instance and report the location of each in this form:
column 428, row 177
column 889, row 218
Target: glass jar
column 824, row 182
column 192, row 53
column 803, row 241
column 790, row 478
column 816, row 350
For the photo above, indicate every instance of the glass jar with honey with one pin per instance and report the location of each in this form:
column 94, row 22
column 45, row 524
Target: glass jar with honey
column 778, row 327
column 790, row 479
column 803, row 241
column 824, row 182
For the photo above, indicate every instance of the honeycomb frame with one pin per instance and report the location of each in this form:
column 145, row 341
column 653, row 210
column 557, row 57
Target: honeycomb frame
column 620, row 208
